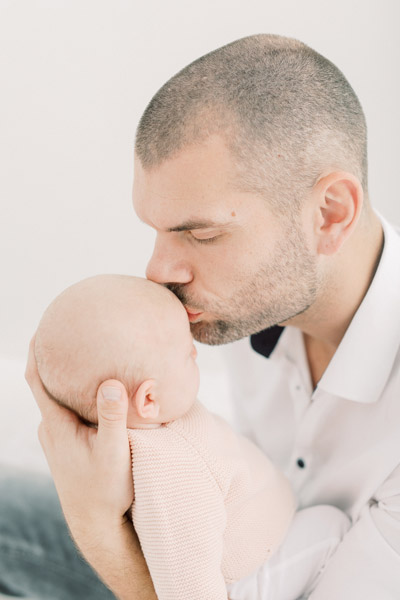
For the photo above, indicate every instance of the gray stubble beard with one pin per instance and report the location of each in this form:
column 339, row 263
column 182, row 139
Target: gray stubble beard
column 279, row 291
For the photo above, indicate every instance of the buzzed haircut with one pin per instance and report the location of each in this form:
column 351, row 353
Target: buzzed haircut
column 286, row 113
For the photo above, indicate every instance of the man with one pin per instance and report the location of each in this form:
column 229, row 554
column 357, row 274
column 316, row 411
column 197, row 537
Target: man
column 251, row 166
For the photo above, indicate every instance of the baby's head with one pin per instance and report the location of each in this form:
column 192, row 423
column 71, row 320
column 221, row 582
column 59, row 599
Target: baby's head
column 119, row 327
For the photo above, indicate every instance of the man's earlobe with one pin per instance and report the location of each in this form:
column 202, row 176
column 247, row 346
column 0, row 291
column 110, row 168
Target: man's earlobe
column 340, row 198
column 147, row 405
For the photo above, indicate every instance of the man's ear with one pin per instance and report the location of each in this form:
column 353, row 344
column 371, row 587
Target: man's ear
column 339, row 199
column 145, row 399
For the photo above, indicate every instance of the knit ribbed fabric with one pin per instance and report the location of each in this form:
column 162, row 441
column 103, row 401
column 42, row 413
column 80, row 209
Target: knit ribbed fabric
column 209, row 506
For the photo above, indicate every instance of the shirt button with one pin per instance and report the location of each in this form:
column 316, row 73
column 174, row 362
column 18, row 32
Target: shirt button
column 301, row 463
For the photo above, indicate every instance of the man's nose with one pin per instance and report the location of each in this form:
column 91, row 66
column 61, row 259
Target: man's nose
column 168, row 263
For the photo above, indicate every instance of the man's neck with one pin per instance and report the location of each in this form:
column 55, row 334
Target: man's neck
column 319, row 355
column 326, row 322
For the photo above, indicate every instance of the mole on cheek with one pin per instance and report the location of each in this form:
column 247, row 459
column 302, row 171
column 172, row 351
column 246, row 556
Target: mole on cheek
column 233, row 213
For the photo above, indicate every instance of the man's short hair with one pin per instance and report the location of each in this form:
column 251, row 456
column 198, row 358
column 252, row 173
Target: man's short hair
column 286, row 113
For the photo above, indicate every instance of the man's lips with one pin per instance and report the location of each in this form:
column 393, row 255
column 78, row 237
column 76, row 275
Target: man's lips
column 193, row 315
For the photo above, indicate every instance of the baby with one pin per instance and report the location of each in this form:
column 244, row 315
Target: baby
column 209, row 507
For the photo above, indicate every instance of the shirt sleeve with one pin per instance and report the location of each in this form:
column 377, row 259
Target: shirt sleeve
column 366, row 565
column 324, row 558
column 291, row 573
column 361, row 561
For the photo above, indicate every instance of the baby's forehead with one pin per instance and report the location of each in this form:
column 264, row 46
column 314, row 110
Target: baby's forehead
column 166, row 309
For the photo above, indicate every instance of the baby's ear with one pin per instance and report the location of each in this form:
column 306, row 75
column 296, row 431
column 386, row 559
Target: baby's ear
column 145, row 399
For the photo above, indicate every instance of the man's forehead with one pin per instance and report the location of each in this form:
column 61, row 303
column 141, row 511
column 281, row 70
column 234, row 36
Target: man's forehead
column 182, row 205
column 209, row 162
column 191, row 224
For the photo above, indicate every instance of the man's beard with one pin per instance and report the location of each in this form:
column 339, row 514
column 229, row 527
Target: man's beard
column 277, row 292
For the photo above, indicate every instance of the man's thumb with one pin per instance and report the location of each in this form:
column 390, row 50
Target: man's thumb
column 112, row 407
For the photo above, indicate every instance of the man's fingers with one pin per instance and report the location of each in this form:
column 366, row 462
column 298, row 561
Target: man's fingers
column 112, row 410
column 31, row 369
column 30, row 353
column 44, row 403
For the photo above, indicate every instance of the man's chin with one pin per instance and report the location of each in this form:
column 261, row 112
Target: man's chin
column 216, row 333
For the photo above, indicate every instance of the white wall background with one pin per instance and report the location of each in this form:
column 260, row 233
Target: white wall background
column 75, row 76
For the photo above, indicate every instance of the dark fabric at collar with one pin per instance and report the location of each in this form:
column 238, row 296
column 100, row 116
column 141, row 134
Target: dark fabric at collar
column 265, row 341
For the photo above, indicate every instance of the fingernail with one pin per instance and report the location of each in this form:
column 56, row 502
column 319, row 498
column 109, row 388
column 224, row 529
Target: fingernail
column 111, row 393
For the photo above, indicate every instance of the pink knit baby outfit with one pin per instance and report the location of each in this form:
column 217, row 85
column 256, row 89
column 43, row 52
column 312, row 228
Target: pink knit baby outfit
column 209, row 506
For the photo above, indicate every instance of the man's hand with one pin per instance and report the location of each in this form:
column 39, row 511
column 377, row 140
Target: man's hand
column 91, row 468
column 92, row 473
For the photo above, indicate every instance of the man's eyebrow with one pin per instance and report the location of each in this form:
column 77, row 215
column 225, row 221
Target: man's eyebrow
column 192, row 224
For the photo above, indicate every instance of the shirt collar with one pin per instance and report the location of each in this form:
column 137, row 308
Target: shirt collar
column 362, row 363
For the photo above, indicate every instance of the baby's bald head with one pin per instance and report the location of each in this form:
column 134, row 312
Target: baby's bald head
column 104, row 327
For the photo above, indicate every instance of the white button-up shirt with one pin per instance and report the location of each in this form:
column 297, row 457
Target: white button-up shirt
column 340, row 443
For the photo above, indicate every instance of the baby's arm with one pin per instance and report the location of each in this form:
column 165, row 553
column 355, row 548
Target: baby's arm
column 179, row 516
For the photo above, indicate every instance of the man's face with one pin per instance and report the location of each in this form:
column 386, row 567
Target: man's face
column 236, row 266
